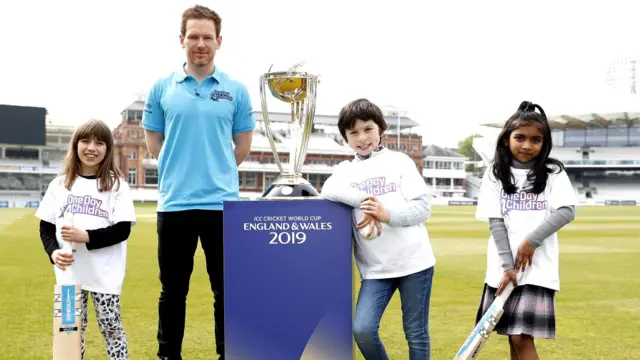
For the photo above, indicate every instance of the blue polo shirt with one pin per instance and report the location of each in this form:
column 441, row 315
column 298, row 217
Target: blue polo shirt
column 197, row 167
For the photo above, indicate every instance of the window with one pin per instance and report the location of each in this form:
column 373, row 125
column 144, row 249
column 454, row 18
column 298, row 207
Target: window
column 18, row 153
column 53, row 154
column 557, row 137
column 132, row 176
column 458, row 165
column 314, row 179
column 634, row 135
column 133, row 134
column 272, row 160
column 53, row 139
column 428, row 164
column 248, row 180
column 151, row 176
column 617, row 135
column 597, row 137
column 323, row 178
column 134, row 116
column 133, row 155
column 269, row 178
column 574, row 137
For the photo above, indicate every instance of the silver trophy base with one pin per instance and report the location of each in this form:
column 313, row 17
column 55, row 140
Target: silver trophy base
column 291, row 187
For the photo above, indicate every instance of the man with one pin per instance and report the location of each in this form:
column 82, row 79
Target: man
column 191, row 120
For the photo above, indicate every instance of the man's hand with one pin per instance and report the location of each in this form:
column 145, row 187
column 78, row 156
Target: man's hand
column 73, row 234
column 371, row 206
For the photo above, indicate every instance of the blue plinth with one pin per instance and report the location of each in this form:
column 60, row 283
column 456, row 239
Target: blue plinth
column 288, row 280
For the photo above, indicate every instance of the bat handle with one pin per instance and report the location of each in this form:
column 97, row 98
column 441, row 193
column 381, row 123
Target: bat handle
column 67, row 248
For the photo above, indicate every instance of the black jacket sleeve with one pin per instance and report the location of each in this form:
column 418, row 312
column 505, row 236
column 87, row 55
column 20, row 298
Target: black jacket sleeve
column 48, row 238
column 108, row 236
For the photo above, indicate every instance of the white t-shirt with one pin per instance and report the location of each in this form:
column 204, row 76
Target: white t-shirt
column 522, row 213
column 99, row 270
column 394, row 179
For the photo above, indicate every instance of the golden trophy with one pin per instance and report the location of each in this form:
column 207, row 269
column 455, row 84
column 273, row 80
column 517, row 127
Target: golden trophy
column 298, row 89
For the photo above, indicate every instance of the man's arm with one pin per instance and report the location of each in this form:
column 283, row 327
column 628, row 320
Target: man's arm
column 242, row 141
column 153, row 120
column 154, row 142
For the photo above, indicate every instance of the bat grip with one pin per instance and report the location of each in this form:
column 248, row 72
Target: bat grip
column 506, row 292
column 67, row 248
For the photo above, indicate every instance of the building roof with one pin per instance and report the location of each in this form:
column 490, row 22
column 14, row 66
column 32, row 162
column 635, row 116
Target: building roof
column 594, row 120
column 590, row 120
column 64, row 129
column 137, row 105
column 434, row 150
column 281, row 117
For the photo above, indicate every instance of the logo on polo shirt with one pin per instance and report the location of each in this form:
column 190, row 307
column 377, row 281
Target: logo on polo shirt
column 217, row 95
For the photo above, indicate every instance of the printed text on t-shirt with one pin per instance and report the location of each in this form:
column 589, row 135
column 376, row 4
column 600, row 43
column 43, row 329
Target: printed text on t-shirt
column 84, row 205
column 522, row 200
column 375, row 186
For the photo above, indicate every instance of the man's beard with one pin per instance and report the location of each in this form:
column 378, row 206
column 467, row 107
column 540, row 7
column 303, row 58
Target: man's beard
column 200, row 61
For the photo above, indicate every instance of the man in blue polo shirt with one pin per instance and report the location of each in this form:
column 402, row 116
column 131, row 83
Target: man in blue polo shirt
column 192, row 119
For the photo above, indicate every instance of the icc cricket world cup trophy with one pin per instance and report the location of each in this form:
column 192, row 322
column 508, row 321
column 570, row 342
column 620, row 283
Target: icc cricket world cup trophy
column 298, row 89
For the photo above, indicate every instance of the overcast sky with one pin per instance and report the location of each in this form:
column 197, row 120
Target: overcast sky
column 450, row 65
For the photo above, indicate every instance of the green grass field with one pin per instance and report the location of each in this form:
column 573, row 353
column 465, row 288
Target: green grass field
column 598, row 309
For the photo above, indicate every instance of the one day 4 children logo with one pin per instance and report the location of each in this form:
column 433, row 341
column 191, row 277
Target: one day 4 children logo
column 521, row 201
column 376, row 186
column 84, row 205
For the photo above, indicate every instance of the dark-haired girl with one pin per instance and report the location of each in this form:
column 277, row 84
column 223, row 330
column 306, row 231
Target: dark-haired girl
column 526, row 197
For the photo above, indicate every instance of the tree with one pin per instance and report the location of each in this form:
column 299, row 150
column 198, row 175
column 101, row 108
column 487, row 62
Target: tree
column 465, row 147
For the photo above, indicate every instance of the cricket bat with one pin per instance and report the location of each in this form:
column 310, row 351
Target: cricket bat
column 67, row 311
column 480, row 334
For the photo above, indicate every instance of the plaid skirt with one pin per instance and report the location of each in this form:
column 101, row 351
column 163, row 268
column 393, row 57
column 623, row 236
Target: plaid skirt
column 529, row 310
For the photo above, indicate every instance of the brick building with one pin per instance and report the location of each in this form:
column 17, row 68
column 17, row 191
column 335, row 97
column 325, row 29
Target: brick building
column 326, row 148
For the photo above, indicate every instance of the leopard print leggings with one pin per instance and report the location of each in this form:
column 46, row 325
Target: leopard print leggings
column 107, row 308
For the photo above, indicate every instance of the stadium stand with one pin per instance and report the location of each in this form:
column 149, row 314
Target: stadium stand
column 601, row 153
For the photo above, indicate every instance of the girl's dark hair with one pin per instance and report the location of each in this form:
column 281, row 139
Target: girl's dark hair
column 526, row 115
column 108, row 174
column 361, row 109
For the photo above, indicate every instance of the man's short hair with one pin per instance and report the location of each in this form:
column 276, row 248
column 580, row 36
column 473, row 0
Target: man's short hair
column 200, row 12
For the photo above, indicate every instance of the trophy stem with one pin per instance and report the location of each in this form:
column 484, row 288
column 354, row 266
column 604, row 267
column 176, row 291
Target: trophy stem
column 293, row 130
